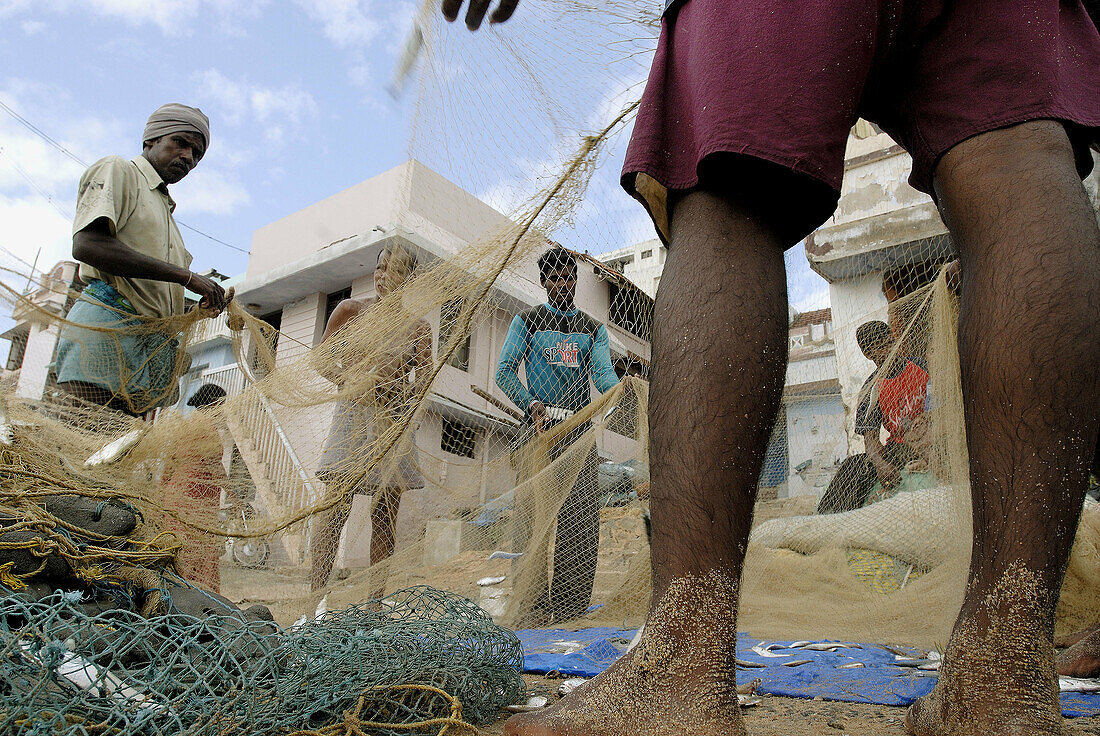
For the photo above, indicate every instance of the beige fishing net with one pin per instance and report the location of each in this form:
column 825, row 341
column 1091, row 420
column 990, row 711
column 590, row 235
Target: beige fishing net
column 329, row 473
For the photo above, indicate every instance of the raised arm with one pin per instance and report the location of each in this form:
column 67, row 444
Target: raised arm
column 511, row 355
column 344, row 312
column 603, row 373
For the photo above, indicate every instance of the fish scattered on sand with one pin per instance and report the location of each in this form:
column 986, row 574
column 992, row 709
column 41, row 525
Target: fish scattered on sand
column 535, row 702
column 571, row 685
column 766, row 651
column 1078, row 685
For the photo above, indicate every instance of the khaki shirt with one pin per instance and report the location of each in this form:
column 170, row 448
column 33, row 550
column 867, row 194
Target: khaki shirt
column 135, row 200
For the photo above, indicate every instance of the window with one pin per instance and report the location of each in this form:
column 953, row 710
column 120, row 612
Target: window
column 449, row 323
column 334, row 299
column 18, row 351
column 458, row 438
column 258, row 360
column 647, row 254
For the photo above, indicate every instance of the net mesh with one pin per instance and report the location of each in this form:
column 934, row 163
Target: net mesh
column 367, row 435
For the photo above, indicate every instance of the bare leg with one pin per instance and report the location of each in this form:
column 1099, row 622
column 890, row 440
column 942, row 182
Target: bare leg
column 720, row 349
column 1029, row 342
column 322, row 550
column 1082, row 659
column 383, row 534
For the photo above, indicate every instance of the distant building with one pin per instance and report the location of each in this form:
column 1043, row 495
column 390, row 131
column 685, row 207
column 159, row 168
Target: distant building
column 881, row 225
column 812, row 417
column 30, row 364
column 304, row 264
column 211, row 351
column 642, row 263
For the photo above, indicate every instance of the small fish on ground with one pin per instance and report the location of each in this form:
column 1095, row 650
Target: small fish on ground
column 535, row 702
column 570, row 685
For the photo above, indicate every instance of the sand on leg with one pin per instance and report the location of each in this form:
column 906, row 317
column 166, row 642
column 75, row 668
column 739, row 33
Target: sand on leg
column 720, row 349
column 1029, row 344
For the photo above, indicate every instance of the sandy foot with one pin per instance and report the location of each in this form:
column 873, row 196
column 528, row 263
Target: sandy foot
column 998, row 675
column 679, row 680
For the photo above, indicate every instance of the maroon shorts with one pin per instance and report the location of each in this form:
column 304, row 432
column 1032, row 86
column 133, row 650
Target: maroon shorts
column 783, row 82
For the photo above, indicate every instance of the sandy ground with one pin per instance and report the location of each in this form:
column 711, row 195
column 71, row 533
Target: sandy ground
column 286, row 592
column 776, row 716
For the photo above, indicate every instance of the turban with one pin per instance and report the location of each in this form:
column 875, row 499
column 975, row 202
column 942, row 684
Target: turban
column 177, row 118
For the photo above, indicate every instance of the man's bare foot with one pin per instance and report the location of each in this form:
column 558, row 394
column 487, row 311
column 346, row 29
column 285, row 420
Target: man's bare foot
column 678, row 680
column 1082, row 659
column 998, row 674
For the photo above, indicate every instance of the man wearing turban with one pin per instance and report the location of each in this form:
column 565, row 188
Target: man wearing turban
column 136, row 269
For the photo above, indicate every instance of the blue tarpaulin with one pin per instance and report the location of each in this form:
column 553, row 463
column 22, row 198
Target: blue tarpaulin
column 588, row 652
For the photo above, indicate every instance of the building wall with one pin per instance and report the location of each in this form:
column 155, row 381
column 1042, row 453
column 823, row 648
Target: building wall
column 855, row 301
column 410, row 195
column 37, row 360
column 632, row 261
column 812, row 369
column 815, row 433
column 355, row 210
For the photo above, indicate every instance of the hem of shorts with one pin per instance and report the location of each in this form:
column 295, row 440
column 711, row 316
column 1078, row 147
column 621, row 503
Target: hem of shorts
column 796, row 164
column 988, row 127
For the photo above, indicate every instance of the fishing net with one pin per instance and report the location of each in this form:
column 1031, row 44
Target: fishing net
column 418, row 661
column 331, row 471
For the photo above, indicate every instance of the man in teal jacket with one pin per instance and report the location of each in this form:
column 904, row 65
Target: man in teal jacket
column 561, row 348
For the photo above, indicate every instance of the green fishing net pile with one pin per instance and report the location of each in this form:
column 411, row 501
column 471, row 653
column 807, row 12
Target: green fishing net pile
column 65, row 671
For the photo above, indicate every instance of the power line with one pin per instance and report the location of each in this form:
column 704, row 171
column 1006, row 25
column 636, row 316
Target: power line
column 31, row 127
column 211, row 237
column 38, row 131
column 34, row 185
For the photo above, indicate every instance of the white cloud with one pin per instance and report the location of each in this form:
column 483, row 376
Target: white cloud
column 37, row 181
column 33, row 27
column 179, row 17
column 241, row 101
column 347, row 23
column 11, row 7
column 172, row 17
column 209, row 190
column 31, row 223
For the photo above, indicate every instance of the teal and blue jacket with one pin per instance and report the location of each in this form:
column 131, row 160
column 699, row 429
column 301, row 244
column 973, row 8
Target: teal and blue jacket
column 561, row 350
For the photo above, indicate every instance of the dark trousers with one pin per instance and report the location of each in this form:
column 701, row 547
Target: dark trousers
column 855, row 479
column 568, row 592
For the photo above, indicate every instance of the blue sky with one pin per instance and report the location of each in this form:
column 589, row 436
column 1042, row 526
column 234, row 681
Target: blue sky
column 297, row 95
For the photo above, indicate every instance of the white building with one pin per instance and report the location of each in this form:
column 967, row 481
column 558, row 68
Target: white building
column 881, row 224
column 812, row 418
column 642, row 263
column 30, row 365
column 302, row 265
